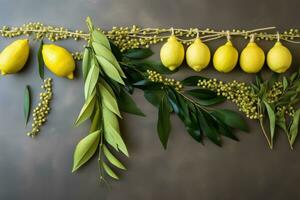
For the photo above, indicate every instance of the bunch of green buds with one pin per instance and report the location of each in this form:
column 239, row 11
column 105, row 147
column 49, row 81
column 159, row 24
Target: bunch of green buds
column 237, row 92
column 41, row 111
column 154, row 76
column 275, row 92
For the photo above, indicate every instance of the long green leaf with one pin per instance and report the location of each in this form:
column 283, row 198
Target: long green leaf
column 91, row 81
column 163, row 123
column 272, row 119
column 209, row 128
column 138, row 53
column 112, row 159
column 154, row 96
column 112, row 131
column 27, row 103
column 86, row 63
column 40, row 60
column 95, row 122
column 231, row 119
column 127, row 104
column 89, row 23
column 202, row 93
column 85, row 149
column 86, row 110
column 109, row 171
column 100, row 38
column 102, row 51
column 192, row 80
column 109, row 100
column 110, row 69
column 293, row 131
column 210, row 102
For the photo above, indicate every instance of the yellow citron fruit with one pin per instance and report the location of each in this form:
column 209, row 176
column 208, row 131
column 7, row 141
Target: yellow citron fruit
column 13, row 58
column 58, row 60
column 198, row 55
column 172, row 53
column 279, row 58
column 225, row 58
column 252, row 58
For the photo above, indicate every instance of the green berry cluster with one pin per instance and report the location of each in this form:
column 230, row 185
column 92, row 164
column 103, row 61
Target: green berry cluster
column 285, row 110
column 43, row 108
column 275, row 92
column 158, row 78
column 40, row 31
column 238, row 93
column 77, row 55
column 135, row 37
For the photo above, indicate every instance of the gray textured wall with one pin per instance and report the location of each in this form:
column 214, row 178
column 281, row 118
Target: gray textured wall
column 40, row 168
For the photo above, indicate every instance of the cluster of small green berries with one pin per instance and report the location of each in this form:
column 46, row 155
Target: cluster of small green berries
column 77, row 55
column 275, row 92
column 288, row 110
column 237, row 92
column 158, row 78
column 43, row 108
column 135, row 37
column 39, row 31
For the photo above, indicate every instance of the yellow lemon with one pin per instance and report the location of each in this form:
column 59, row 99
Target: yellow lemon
column 252, row 58
column 172, row 53
column 279, row 58
column 58, row 60
column 198, row 55
column 13, row 58
column 225, row 58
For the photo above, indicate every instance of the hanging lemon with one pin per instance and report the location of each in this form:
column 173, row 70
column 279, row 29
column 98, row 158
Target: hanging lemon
column 58, row 60
column 13, row 58
column 172, row 53
column 198, row 55
column 252, row 57
column 225, row 57
column 279, row 58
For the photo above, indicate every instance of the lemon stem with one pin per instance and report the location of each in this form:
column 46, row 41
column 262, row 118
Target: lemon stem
column 172, row 31
column 252, row 37
column 278, row 37
column 228, row 35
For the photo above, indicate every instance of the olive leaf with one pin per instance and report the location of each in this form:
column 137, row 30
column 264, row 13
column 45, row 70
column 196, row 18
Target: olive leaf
column 85, row 149
column 293, row 130
column 109, row 100
column 109, row 171
column 89, row 23
column 112, row 131
column 95, row 121
column 91, row 81
column 100, row 38
column 112, row 159
column 231, row 119
column 209, row 128
column 154, row 96
column 40, row 60
column 138, row 53
column 86, row 62
column 144, row 65
column 86, row 110
column 163, row 123
column 192, row 80
column 201, row 93
column 127, row 104
column 272, row 119
column 27, row 103
column 110, row 70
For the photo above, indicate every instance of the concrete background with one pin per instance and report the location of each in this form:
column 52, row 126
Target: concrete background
column 41, row 168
